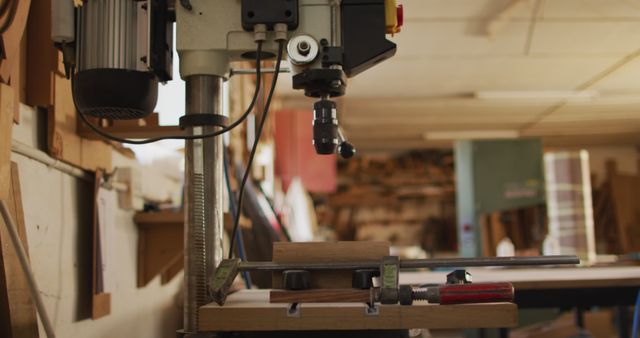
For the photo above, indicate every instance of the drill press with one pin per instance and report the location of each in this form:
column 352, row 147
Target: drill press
column 122, row 49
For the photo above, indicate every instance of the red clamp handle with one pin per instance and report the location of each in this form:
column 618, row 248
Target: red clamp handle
column 476, row 293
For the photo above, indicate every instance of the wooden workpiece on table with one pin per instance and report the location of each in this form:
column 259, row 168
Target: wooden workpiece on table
column 250, row 310
column 285, row 252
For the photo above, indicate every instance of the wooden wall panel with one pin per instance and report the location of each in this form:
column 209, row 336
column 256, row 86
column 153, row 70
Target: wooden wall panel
column 41, row 56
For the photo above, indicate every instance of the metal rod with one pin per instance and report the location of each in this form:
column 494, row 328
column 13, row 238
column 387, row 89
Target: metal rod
column 42, row 157
column 413, row 263
column 252, row 71
column 22, row 149
column 204, row 184
column 26, row 268
column 335, row 23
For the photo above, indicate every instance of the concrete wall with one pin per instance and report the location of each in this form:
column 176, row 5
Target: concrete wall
column 58, row 223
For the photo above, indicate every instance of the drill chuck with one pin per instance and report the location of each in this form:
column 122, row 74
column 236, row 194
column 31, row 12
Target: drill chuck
column 325, row 127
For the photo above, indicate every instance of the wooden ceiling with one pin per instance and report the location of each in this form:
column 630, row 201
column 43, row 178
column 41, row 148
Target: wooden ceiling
column 501, row 65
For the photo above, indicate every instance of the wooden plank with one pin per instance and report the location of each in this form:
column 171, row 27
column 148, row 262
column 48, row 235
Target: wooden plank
column 100, row 305
column 320, row 296
column 285, row 252
column 95, row 155
column 63, row 143
column 254, row 304
column 6, row 127
column 136, row 129
column 11, row 40
column 100, row 301
column 17, row 311
column 41, row 61
column 488, row 249
column 18, row 76
column 18, row 214
column 155, row 218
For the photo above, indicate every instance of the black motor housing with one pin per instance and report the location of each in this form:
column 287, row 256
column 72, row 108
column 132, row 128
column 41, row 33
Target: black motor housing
column 118, row 94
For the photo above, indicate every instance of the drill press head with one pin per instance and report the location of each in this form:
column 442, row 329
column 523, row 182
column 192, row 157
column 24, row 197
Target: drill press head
column 124, row 49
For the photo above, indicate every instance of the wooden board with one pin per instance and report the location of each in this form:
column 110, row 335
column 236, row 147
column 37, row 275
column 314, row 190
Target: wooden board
column 321, row 296
column 100, row 300
column 136, row 129
column 11, row 40
column 284, row 252
column 541, row 278
column 17, row 310
column 250, row 310
column 6, row 127
column 41, row 62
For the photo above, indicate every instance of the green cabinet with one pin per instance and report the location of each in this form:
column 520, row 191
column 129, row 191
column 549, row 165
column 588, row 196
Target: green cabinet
column 494, row 175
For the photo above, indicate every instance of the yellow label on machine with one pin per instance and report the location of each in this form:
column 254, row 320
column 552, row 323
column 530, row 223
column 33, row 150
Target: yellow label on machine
column 392, row 20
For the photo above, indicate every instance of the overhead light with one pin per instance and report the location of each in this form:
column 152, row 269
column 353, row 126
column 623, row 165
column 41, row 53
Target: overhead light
column 470, row 135
column 538, row 95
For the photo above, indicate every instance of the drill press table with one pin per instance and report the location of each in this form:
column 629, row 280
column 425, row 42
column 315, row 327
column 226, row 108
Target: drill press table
column 250, row 310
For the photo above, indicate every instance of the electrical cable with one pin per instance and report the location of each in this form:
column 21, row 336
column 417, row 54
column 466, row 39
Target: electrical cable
column 4, row 6
column 636, row 318
column 234, row 210
column 252, row 154
column 226, row 129
column 284, row 230
column 11, row 15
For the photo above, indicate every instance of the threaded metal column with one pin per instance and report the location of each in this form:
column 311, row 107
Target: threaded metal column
column 204, row 184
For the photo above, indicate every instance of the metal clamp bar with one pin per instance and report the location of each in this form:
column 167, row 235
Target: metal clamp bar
column 413, row 263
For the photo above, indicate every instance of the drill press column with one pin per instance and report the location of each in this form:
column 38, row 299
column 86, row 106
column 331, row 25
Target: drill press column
column 204, row 184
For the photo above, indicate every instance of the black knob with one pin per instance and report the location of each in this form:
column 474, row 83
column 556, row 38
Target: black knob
column 405, row 295
column 459, row 277
column 325, row 127
column 363, row 278
column 296, row 279
column 346, row 150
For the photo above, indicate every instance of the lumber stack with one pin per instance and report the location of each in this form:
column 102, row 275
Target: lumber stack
column 406, row 199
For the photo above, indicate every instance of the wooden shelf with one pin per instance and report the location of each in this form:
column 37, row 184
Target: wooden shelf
column 250, row 310
column 140, row 128
column 160, row 245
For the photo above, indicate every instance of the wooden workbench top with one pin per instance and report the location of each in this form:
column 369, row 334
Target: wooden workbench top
column 540, row 278
column 250, row 310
